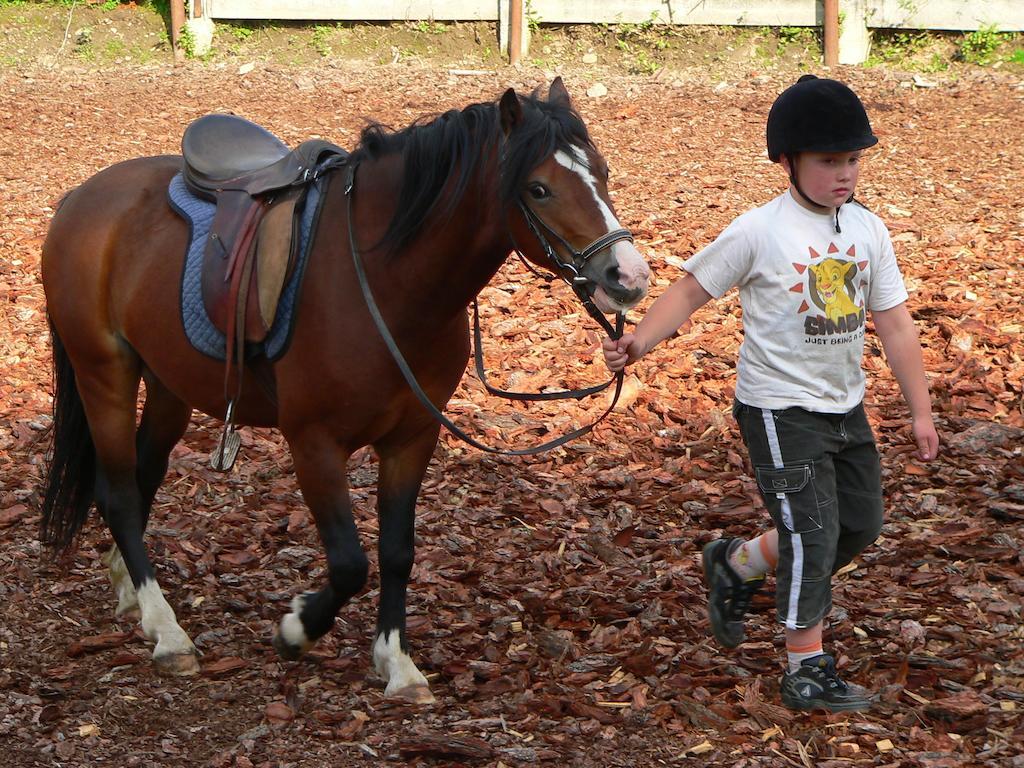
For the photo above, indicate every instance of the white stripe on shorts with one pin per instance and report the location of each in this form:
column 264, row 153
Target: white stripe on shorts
column 797, row 574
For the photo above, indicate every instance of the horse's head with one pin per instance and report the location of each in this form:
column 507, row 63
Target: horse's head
column 561, row 217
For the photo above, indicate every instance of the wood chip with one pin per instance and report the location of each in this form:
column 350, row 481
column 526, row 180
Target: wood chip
column 445, row 746
column 98, row 643
column 224, row 666
column 699, row 749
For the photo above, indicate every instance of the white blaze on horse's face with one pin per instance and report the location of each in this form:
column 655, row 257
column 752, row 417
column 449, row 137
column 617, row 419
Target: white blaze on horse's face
column 633, row 272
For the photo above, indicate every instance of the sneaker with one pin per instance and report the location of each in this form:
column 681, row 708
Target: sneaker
column 728, row 595
column 816, row 685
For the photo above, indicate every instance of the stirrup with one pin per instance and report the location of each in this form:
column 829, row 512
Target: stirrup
column 223, row 456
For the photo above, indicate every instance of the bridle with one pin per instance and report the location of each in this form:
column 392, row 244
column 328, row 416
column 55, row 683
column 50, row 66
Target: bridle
column 570, row 271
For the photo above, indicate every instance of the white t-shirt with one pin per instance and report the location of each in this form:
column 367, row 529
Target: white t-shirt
column 803, row 289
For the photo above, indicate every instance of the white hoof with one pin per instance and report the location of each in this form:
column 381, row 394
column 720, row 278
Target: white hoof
column 414, row 694
column 176, row 664
column 404, row 680
column 291, row 641
column 174, row 650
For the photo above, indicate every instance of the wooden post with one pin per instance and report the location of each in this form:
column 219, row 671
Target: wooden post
column 831, row 32
column 177, row 22
column 515, row 33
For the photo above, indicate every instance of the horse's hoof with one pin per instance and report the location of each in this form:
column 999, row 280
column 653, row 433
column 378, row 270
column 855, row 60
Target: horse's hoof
column 413, row 694
column 286, row 650
column 177, row 664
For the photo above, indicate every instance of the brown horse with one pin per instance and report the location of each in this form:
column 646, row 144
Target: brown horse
column 435, row 208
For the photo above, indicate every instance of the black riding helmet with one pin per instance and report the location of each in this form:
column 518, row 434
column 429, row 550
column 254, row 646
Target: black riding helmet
column 817, row 115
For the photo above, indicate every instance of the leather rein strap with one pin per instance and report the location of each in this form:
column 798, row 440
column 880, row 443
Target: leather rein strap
column 578, row 282
column 571, row 273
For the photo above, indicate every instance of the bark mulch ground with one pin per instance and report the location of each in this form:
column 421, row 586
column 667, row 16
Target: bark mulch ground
column 556, row 604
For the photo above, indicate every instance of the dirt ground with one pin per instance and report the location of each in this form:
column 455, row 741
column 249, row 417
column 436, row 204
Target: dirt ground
column 557, row 604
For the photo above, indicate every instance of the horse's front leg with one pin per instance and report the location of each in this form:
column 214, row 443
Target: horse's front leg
column 320, row 470
column 401, row 473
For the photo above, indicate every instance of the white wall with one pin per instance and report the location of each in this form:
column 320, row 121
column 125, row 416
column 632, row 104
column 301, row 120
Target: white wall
column 858, row 16
column 1007, row 15
column 354, row 10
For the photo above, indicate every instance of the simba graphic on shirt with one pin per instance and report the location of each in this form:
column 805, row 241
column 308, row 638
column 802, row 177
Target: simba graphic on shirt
column 833, row 286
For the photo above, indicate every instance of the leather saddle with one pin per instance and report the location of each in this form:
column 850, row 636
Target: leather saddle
column 259, row 186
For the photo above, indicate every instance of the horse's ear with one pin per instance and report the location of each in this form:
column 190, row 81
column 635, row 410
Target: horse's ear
column 511, row 111
column 558, row 95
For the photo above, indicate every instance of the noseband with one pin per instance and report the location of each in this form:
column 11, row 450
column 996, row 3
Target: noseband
column 571, row 271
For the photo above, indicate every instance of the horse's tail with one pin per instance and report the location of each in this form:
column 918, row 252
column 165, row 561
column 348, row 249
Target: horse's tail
column 71, row 469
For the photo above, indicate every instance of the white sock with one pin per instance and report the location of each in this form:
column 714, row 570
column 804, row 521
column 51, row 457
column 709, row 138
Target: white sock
column 748, row 560
column 795, row 658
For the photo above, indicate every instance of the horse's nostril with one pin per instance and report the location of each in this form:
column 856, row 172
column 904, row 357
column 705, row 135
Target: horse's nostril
column 611, row 275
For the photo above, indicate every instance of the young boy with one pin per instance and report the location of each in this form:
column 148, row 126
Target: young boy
column 809, row 265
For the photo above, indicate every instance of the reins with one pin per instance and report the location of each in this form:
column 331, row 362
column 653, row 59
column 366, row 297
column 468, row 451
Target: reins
column 577, row 282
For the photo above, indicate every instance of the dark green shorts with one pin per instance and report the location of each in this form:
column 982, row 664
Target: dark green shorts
column 820, row 478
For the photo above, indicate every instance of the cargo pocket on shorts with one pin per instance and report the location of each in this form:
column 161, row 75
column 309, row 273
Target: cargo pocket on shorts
column 794, row 489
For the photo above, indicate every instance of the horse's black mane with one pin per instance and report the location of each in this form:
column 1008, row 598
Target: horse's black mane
column 450, row 148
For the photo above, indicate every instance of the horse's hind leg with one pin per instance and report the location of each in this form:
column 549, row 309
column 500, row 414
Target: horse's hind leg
column 164, row 420
column 320, row 470
column 398, row 485
column 108, row 387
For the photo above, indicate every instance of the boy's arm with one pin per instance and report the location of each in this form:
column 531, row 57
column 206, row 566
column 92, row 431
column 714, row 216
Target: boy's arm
column 670, row 311
column 667, row 313
column 896, row 330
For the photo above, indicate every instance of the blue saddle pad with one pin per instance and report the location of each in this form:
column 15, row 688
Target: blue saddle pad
column 200, row 331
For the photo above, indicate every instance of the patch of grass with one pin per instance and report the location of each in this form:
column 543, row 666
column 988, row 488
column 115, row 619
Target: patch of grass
column 979, row 47
column 532, row 18
column 1017, row 57
column 86, row 52
column 798, row 42
column 802, row 35
column 187, row 41
column 319, row 41
column 763, row 56
column 240, row 33
column 937, row 63
column 114, row 49
column 643, row 63
column 429, row 27
column 641, row 42
column 898, row 45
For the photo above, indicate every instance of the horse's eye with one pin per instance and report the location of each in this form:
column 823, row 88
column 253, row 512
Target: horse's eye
column 538, row 191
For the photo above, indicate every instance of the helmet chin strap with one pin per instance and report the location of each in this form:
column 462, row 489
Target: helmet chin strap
column 815, row 204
